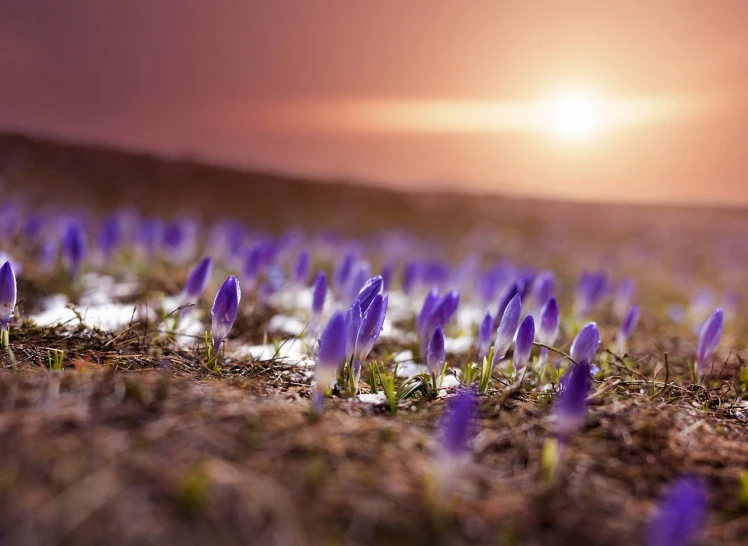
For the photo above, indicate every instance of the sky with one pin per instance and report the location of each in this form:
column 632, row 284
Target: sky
column 417, row 94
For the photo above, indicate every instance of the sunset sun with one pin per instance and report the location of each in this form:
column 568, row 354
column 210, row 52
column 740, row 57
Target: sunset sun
column 574, row 116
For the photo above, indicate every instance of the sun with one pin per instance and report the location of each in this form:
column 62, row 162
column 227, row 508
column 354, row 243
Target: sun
column 574, row 116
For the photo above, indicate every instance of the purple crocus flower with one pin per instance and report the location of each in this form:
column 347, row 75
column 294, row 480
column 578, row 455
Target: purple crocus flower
column 435, row 354
column 509, row 294
column 543, row 288
column 444, row 309
column 627, row 328
column 388, row 270
column 319, row 293
column 523, row 343
column 681, row 514
column 342, row 273
column 358, row 279
column 584, row 347
column 456, row 427
column 110, row 236
column 484, row 336
column 353, row 320
column 7, row 298
column 197, row 280
column 507, row 329
column 302, row 268
column 253, row 265
column 369, row 291
column 549, row 321
column 74, row 247
column 709, row 338
column 224, row 310
column 591, row 290
column 371, row 326
column 426, row 311
column 571, row 404
column 624, row 296
column 330, row 356
column 411, row 272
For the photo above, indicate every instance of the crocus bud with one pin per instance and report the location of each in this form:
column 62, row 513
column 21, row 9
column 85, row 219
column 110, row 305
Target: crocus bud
column 523, row 344
column 224, row 310
column 627, row 328
column 369, row 291
column 197, row 280
column 484, row 336
column 110, row 236
column 353, row 320
column 709, row 338
column 435, row 355
column 371, row 327
column 302, row 268
column 507, row 329
column 591, row 290
column 319, row 293
column 7, row 296
column 74, row 247
column 253, row 264
column 543, row 288
column 508, row 295
column 444, row 309
column 388, row 270
column 584, row 347
column 549, row 321
column 411, row 272
column 342, row 272
column 426, row 311
column 330, row 356
column 571, row 404
column 624, row 296
column 681, row 514
column 455, row 427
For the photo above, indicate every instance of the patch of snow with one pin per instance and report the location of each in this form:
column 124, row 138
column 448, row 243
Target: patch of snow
column 285, row 324
column 371, row 398
column 458, row 345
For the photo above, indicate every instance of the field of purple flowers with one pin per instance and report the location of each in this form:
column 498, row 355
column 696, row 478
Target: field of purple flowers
column 533, row 373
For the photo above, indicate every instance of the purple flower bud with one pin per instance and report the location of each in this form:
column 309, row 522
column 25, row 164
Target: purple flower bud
column 681, row 514
column 444, row 309
column 110, row 236
column 388, row 270
column 422, row 321
column 411, row 272
column 371, row 327
column 627, row 328
column 571, row 404
column 253, row 264
column 543, row 288
column 331, row 352
column 340, row 276
column 435, row 354
column 484, row 336
column 523, row 344
column 591, row 290
column 549, row 320
column 197, row 280
column 74, row 246
column 357, row 280
column 224, row 310
column 150, row 235
column 624, row 296
column 456, row 426
column 319, row 293
column 302, row 268
column 508, row 295
column 369, row 291
column 7, row 294
column 353, row 320
column 584, row 347
column 507, row 329
column 709, row 338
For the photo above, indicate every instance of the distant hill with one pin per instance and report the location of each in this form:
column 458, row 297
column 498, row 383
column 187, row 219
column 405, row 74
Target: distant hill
column 48, row 171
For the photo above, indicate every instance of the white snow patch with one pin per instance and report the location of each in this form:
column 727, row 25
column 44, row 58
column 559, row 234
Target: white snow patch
column 458, row 345
column 371, row 398
column 286, row 324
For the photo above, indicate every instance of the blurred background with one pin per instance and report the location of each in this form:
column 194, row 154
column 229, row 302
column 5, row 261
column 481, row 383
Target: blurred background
column 580, row 100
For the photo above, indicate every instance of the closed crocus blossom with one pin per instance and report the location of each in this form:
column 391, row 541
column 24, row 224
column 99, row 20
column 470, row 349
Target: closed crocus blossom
column 627, row 328
column 549, row 322
column 224, row 310
column 369, row 291
column 523, row 343
column 330, row 356
column 509, row 294
column 485, row 330
column 507, row 329
column 456, row 428
column 197, row 280
column 302, row 268
column 74, row 246
column 624, row 297
column 681, row 514
column 591, row 290
column 584, row 347
column 570, row 408
column 353, row 320
column 432, row 298
column 7, row 298
column 435, row 353
column 371, row 326
column 709, row 337
column 543, row 288
column 319, row 293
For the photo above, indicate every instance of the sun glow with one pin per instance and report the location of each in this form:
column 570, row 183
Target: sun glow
column 574, row 116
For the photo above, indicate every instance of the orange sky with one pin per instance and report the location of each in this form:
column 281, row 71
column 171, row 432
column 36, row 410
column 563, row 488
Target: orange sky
column 406, row 93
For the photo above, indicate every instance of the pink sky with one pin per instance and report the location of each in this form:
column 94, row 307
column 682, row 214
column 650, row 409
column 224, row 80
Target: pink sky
column 397, row 92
